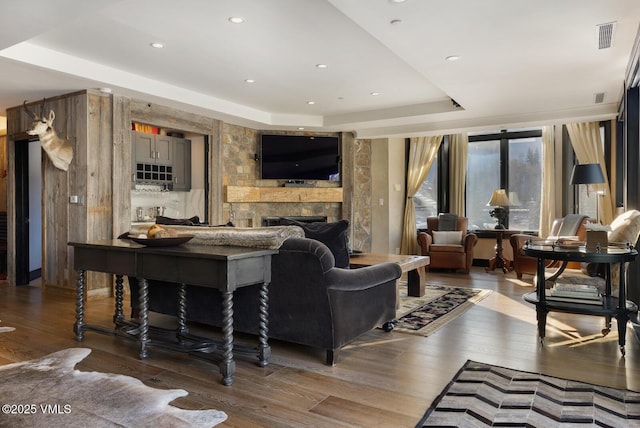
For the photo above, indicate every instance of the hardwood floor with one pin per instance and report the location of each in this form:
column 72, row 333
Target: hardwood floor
column 382, row 379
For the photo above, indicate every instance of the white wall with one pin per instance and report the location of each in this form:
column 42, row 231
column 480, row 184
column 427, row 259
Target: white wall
column 387, row 194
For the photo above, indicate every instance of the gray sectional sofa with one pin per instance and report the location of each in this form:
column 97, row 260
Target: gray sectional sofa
column 311, row 302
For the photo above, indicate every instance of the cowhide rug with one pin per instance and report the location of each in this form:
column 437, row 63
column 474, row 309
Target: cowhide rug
column 6, row 329
column 48, row 392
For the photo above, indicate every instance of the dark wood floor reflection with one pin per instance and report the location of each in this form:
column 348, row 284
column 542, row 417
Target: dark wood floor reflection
column 382, row 379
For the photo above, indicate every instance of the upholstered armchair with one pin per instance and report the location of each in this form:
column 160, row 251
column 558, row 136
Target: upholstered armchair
column 573, row 226
column 450, row 249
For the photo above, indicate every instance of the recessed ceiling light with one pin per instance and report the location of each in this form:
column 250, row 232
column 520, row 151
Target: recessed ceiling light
column 321, row 65
column 157, row 45
column 397, row 1
column 452, row 58
column 249, row 80
column 300, row 128
column 375, row 94
column 311, row 102
column 236, row 20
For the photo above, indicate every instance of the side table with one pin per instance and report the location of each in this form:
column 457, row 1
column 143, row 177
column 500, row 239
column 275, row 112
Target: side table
column 498, row 260
column 618, row 307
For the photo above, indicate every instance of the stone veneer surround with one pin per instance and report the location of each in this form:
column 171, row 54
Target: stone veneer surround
column 239, row 147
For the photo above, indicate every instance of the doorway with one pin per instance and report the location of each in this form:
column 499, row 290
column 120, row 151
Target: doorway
column 28, row 221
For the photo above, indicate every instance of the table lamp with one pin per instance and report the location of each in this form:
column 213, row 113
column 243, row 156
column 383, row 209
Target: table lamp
column 588, row 173
column 499, row 200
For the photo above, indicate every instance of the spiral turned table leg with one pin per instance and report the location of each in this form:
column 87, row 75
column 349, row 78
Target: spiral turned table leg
column 182, row 310
column 265, row 350
column 227, row 365
column 119, row 314
column 143, row 335
column 78, row 327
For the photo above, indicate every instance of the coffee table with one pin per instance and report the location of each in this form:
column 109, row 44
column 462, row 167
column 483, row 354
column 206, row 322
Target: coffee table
column 414, row 266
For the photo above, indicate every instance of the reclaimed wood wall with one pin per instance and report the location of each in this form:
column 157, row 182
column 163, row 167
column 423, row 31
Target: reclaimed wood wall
column 98, row 126
column 3, row 173
column 83, row 118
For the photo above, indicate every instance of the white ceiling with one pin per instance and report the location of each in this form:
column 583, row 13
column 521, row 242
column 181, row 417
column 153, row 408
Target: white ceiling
column 522, row 62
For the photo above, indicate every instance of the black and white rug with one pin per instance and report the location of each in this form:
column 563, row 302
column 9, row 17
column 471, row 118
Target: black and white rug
column 48, row 392
column 485, row 395
column 439, row 305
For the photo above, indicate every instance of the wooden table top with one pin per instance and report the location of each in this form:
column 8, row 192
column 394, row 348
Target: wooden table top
column 406, row 262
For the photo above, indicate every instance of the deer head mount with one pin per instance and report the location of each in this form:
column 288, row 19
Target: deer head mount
column 58, row 149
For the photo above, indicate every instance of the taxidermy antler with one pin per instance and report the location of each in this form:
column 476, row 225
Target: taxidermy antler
column 58, row 149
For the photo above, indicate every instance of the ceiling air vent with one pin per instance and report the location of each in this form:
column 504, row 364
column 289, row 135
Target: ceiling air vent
column 604, row 35
column 598, row 98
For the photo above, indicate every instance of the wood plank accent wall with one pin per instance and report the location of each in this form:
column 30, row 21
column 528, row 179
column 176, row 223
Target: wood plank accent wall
column 3, row 178
column 283, row 194
column 98, row 127
column 84, row 119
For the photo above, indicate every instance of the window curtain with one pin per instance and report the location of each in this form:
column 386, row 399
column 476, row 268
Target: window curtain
column 422, row 152
column 547, row 196
column 587, row 145
column 458, row 148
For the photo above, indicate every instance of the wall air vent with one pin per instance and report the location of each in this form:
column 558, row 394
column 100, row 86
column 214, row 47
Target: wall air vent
column 598, row 98
column 604, row 35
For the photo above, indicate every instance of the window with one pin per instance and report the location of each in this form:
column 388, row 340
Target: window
column 525, row 181
column 510, row 160
column 483, row 176
column 426, row 199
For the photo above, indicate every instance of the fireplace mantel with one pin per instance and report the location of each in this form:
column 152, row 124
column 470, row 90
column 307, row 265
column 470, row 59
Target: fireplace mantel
column 282, row 194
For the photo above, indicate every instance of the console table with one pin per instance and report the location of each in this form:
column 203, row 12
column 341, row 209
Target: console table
column 225, row 268
column 618, row 307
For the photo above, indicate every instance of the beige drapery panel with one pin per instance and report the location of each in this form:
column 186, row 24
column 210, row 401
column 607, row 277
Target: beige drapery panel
column 458, row 148
column 587, row 145
column 422, row 152
column 547, row 193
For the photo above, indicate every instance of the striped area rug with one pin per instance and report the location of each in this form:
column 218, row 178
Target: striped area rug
column 485, row 395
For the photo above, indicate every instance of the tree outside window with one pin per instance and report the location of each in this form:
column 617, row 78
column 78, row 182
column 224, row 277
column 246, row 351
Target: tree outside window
column 510, row 160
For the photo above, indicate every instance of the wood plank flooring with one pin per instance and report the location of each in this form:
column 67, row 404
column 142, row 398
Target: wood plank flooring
column 381, row 379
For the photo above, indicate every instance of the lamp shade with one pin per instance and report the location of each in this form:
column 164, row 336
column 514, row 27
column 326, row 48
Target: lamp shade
column 587, row 173
column 499, row 199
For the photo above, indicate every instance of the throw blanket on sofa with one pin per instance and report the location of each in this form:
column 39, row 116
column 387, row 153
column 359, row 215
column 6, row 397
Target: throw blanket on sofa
column 570, row 224
column 261, row 237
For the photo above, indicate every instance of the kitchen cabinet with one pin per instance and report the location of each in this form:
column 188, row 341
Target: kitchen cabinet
column 181, row 164
column 150, row 148
column 161, row 160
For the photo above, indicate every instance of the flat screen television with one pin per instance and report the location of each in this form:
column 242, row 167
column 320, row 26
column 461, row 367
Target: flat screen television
column 299, row 157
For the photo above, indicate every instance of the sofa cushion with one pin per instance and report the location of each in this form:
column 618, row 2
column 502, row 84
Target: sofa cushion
column 178, row 221
column 446, row 248
column 334, row 235
column 447, row 238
